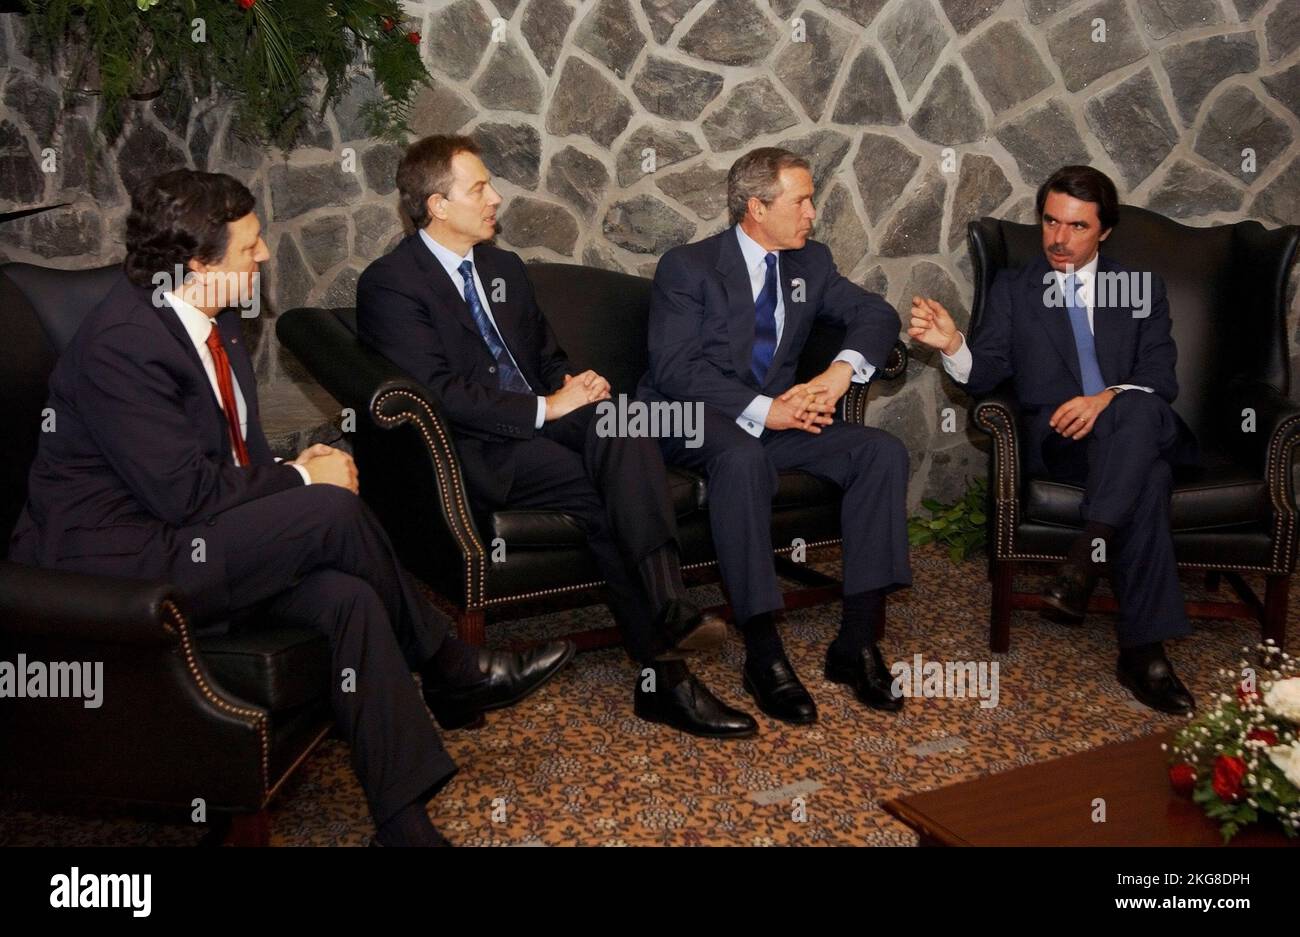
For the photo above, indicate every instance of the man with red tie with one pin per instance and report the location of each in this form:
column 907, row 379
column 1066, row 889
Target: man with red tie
column 159, row 468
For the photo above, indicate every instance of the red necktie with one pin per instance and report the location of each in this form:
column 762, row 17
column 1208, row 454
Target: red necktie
column 227, row 387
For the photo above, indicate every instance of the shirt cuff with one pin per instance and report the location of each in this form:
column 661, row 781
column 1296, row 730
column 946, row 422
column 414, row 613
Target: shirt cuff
column 306, row 478
column 1132, row 387
column 754, row 417
column 862, row 371
column 541, row 413
column 959, row 363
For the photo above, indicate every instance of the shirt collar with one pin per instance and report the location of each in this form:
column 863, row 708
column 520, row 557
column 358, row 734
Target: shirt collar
column 450, row 262
column 198, row 324
column 752, row 251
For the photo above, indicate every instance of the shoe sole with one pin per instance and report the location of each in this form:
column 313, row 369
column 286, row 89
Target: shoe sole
column 463, row 719
column 1055, row 610
column 836, row 676
column 749, row 688
column 709, row 634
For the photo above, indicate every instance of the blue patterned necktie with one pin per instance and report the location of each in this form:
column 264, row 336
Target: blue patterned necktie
column 508, row 376
column 765, row 324
column 1084, row 343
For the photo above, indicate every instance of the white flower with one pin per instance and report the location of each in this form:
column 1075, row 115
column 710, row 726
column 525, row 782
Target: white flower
column 1287, row 758
column 1283, row 699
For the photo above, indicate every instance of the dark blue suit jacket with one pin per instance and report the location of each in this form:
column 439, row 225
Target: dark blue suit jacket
column 1023, row 339
column 702, row 322
column 140, row 447
column 411, row 312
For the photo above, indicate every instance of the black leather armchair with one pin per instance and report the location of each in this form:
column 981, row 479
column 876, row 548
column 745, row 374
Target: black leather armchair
column 220, row 714
column 1234, row 514
column 411, row 477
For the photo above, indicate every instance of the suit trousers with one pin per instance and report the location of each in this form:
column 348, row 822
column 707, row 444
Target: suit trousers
column 617, row 489
column 741, row 471
column 316, row 556
column 1124, row 468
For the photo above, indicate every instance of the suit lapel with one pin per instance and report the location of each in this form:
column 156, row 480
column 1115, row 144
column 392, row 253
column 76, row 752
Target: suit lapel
column 172, row 323
column 447, row 294
column 740, row 304
column 1109, row 324
column 1055, row 320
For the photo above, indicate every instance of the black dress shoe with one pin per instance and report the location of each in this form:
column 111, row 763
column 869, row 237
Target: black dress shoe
column 1066, row 597
column 778, row 692
column 508, row 676
column 869, row 677
column 1154, row 683
column 690, row 707
column 685, row 629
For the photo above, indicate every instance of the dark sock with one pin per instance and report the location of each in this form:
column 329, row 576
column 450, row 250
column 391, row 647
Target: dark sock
column 862, row 611
column 1081, row 550
column 762, row 643
column 1142, row 654
column 410, row 826
column 661, row 575
column 455, row 664
column 668, row 673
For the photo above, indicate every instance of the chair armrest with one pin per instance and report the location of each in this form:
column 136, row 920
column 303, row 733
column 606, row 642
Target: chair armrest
column 59, row 604
column 996, row 414
column 1268, row 447
column 853, row 405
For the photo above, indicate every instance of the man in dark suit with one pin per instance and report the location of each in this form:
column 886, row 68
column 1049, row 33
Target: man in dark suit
column 159, row 468
column 728, row 320
column 458, row 315
column 1087, row 346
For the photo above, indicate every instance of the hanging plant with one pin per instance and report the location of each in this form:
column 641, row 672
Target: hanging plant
column 265, row 55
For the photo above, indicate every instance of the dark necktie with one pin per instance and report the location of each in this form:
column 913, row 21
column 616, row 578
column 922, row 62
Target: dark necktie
column 508, row 376
column 226, row 385
column 765, row 323
column 1084, row 343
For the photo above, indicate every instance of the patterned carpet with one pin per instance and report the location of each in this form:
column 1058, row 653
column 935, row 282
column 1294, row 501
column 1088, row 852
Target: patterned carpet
column 572, row 765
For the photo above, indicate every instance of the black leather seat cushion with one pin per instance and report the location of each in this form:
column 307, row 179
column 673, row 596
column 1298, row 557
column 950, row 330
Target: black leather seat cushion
column 1222, row 495
column 277, row 667
column 549, row 529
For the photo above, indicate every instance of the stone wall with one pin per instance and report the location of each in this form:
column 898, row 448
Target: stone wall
column 919, row 115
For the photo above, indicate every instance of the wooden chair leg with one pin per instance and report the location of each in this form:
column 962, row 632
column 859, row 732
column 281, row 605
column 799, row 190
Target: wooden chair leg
column 247, row 829
column 471, row 626
column 1000, row 612
column 1273, row 621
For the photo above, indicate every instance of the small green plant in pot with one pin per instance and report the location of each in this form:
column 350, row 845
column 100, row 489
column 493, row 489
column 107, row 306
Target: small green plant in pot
column 960, row 526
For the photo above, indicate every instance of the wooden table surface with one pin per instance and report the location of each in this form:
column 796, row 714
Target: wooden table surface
column 1052, row 804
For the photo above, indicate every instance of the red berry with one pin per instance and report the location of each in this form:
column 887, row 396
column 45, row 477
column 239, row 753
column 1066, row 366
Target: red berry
column 414, row 38
column 388, row 24
column 246, row 4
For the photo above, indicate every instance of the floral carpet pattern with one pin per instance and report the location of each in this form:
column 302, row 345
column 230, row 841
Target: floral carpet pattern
column 571, row 765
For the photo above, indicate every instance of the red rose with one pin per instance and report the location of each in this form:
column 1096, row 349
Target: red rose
column 1228, row 772
column 246, row 4
column 414, row 38
column 1266, row 736
column 388, row 24
column 1183, row 778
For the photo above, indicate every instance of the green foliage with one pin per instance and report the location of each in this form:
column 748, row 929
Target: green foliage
column 961, row 526
column 268, row 58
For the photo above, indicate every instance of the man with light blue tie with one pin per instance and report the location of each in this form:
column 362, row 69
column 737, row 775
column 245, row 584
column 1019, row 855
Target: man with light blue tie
column 458, row 314
column 729, row 318
column 1087, row 346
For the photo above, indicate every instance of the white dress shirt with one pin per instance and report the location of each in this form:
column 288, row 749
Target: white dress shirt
column 451, row 263
column 754, row 417
column 959, row 364
column 198, row 326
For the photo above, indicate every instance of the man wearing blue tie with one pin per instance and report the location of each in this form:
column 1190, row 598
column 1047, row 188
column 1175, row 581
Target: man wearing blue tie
column 729, row 318
column 458, row 314
column 1092, row 365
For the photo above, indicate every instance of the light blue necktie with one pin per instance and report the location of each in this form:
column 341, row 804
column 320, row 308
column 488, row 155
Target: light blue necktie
column 765, row 324
column 508, row 376
column 1084, row 343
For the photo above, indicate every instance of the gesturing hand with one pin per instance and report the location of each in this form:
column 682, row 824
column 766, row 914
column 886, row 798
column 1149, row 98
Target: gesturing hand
column 933, row 325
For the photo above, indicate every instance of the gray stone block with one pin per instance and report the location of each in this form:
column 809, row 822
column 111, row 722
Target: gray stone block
column 645, row 225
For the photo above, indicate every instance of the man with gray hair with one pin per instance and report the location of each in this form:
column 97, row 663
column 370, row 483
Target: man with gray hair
column 729, row 317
